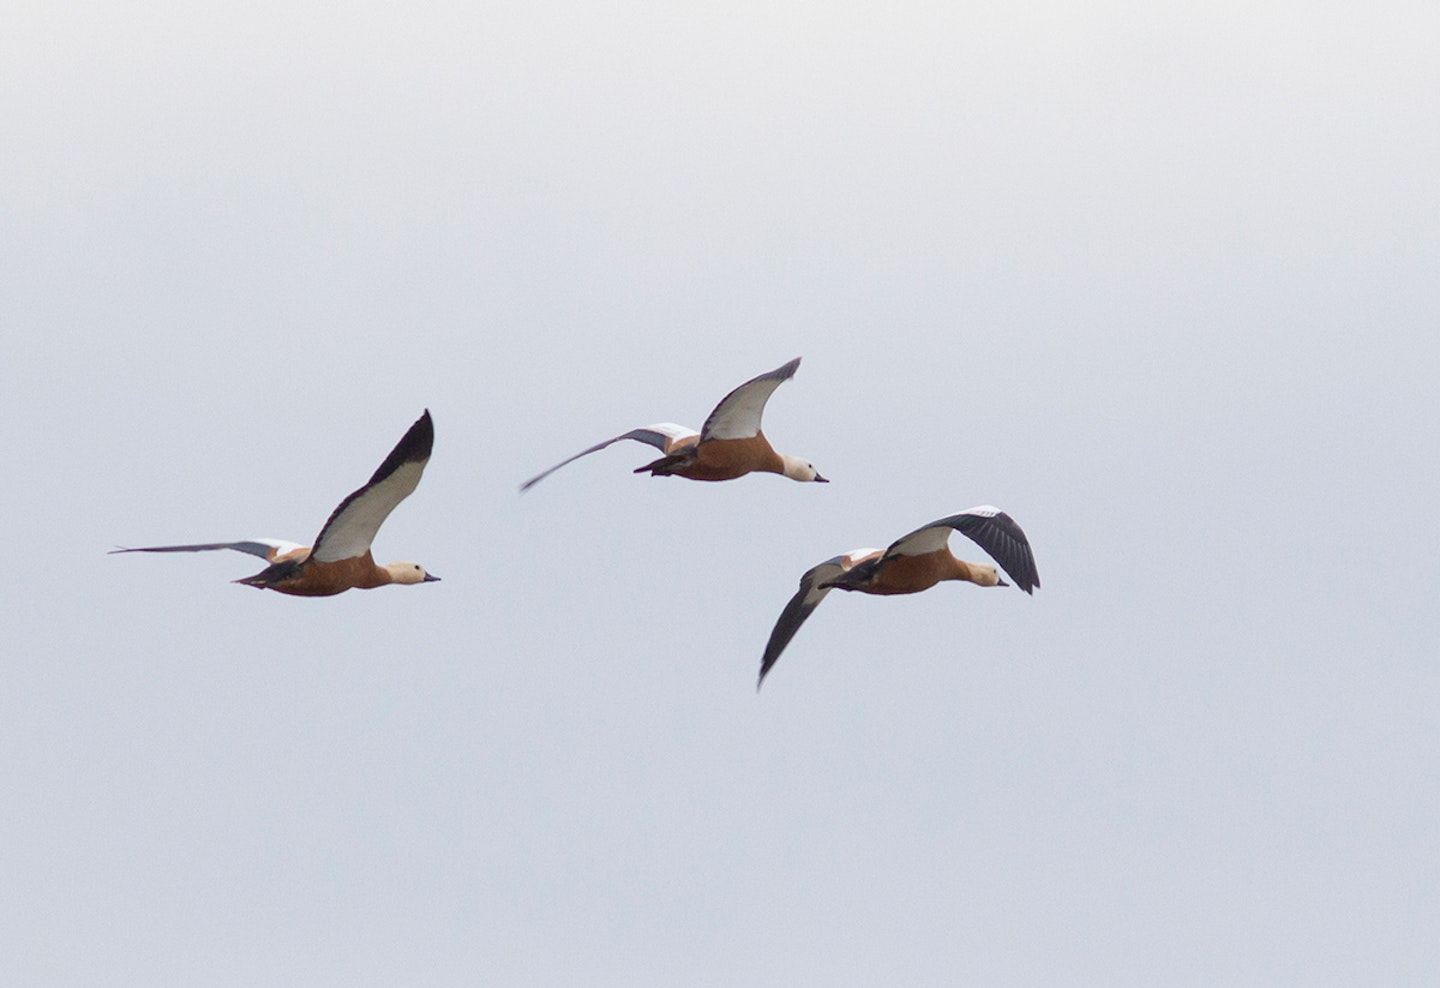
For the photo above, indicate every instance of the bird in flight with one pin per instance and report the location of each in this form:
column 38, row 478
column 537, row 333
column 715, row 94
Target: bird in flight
column 729, row 445
column 912, row 563
column 340, row 560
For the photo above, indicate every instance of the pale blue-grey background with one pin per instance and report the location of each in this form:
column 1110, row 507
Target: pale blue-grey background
column 1161, row 281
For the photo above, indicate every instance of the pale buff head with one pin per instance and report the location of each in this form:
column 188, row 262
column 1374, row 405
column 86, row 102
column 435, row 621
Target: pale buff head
column 409, row 573
column 798, row 469
column 985, row 575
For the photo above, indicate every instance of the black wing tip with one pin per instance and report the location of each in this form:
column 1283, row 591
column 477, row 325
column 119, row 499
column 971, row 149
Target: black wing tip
column 766, row 664
column 782, row 373
column 539, row 477
column 419, row 440
column 1021, row 570
column 413, row 447
column 774, row 647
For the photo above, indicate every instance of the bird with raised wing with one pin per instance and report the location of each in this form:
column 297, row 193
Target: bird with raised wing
column 729, row 445
column 911, row 564
column 340, row 560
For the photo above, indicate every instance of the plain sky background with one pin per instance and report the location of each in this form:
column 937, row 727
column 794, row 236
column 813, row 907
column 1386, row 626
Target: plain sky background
column 1160, row 280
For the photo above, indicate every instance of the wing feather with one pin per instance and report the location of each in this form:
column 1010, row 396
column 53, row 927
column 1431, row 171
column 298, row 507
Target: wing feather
column 351, row 527
column 806, row 599
column 662, row 437
column 264, row 548
column 738, row 414
column 989, row 528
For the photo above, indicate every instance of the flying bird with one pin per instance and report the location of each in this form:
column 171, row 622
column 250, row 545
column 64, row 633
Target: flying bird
column 340, row 559
column 913, row 563
column 729, row 445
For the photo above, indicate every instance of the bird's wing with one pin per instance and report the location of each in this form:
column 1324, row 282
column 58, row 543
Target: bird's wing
column 738, row 414
column 989, row 528
column 264, row 548
column 351, row 527
column 806, row 599
column 664, row 437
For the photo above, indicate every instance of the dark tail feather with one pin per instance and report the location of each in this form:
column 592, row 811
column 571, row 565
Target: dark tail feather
column 853, row 579
column 273, row 574
column 666, row 465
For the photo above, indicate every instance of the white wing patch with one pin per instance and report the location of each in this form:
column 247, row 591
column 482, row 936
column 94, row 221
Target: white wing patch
column 738, row 417
column 675, row 433
column 919, row 543
column 738, row 414
column 352, row 528
column 281, row 546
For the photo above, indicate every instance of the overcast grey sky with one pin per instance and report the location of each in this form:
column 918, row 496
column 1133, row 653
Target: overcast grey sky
column 1161, row 281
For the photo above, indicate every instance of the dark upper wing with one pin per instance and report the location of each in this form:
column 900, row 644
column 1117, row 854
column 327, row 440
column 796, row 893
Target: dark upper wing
column 806, row 599
column 264, row 548
column 660, row 436
column 738, row 414
column 815, row 584
column 353, row 524
column 989, row 528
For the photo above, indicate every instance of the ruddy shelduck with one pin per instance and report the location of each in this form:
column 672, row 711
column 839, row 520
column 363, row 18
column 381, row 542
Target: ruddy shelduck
column 340, row 559
column 729, row 445
column 913, row 563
